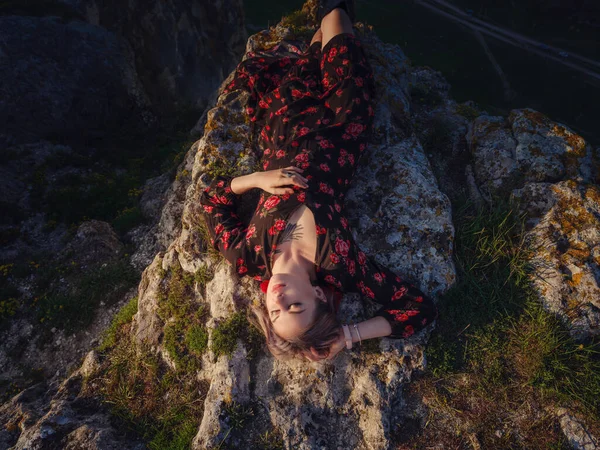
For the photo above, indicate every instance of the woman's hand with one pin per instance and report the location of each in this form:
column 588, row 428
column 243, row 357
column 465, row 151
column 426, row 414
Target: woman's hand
column 334, row 349
column 337, row 346
column 277, row 181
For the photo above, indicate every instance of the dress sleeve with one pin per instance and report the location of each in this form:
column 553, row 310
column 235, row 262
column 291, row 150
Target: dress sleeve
column 406, row 308
column 227, row 231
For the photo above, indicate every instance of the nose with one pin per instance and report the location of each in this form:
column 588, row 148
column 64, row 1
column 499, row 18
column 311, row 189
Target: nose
column 277, row 297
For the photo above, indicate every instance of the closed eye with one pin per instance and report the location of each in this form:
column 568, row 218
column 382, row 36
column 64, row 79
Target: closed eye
column 295, row 310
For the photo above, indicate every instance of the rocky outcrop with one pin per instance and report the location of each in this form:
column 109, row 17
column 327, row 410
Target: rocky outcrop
column 61, row 415
column 527, row 146
column 183, row 50
column 575, row 431
column 552, row 171
column 67, row 82
column 94, row 244
column 566, row 258
column 409, row 229
column 81, row 79
column 25, row 347
column 80, row 82
column 359, row 400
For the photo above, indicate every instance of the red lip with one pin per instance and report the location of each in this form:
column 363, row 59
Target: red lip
column 277, row 287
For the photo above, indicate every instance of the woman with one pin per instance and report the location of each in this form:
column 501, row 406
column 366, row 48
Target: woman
column 315, row 111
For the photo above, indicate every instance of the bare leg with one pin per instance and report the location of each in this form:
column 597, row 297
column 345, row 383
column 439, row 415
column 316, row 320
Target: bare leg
column 334, row 23
column 317, row 37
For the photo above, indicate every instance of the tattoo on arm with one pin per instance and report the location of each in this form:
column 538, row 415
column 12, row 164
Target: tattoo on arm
column 291, row 231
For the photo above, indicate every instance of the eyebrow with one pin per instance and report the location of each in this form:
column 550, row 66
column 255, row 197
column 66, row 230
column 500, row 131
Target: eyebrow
column 290, row 312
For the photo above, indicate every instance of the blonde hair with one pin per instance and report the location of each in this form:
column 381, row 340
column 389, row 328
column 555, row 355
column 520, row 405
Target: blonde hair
column 323, row 332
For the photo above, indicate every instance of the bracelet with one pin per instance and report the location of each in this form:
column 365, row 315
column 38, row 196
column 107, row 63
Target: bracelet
column 347, row 336
column 358, row 333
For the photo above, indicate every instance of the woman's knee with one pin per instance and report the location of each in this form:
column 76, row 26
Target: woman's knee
column 334, row 23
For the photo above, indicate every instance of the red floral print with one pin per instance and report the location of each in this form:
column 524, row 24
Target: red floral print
column 362, row 258
column 250, row 232
column 303, row 131
column 351, row 267
column 399, row 293
column 399, row 315
column 272, row 202
column 305, row 106
column 302, row 157
column 354, row 129
column 409, row 331
column 342, row 246
column 324, row 143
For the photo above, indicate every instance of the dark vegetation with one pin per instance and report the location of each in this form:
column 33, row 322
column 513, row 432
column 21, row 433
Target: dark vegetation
column 496, row 354
column 104, row 185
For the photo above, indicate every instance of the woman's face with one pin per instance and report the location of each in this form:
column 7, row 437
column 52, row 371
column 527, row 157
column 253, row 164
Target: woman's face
column 291, row 303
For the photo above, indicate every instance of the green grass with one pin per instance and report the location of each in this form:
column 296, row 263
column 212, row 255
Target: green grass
column 124, row 316
column 104, row 186
column 162, row 406
column 227, row 333
column 196, row 339
column 107, row 185
column 269, row 440
column 75, row 309
column 185, row 335
column 495, row 348
column 238, row 415
column 248, row 427
column 205, row 237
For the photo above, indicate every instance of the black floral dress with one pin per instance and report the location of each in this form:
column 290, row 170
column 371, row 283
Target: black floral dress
column 315, row 110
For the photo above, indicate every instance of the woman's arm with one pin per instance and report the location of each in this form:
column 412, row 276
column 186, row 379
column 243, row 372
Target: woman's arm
column 374, row 327
column 403, row 305
column 219, row 202
column 227, row 232
column 244, row 183
column 269, row 181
